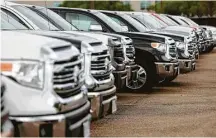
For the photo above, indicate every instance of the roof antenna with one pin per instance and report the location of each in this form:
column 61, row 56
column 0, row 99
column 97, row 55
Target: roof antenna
column 47, row 14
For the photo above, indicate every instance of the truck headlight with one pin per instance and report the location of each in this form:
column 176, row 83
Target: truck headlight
column 26, row 72
column 160, row 47
column 180, row 45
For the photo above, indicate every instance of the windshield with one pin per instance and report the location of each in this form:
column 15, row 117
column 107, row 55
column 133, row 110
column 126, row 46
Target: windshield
column 35, row 18
column 149, row 21
column 168, row 20
column 111, row 23
column 163, row 24
column 9, row 23
column 179, row 21
column 135, row 23
column 191, row 22
column 58, row 20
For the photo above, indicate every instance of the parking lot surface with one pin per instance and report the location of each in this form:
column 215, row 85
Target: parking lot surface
column 185, row 107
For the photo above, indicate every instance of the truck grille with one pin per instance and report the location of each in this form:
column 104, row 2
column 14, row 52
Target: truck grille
column 191, row 48
column 118, row 52
column 68, row 76
column 100, row 65
column 172, row 50
column 130, row 52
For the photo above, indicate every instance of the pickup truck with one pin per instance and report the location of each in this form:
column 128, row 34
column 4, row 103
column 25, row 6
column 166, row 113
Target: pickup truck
column 185, row 51
column 44, row 78
column 127, row 73
column 204, row 36
column 155, row 53
column 207, row 30
column 99, row 78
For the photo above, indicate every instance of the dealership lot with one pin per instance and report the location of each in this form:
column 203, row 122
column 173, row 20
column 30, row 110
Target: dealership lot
column 82, row 72
column 186, row 107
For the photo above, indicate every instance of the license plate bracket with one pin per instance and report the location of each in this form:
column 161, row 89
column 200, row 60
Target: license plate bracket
column 114, row 106
column 86, row 129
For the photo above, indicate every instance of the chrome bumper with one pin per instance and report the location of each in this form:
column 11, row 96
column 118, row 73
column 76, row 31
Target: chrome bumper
column 103, row 103
column 167, row 69
column 70, row 124
column 120, row 78
column 197, row 54
column 187, row 65
column 7, row 129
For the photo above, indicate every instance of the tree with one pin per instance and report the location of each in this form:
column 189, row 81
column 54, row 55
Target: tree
column 99, row 5
column 189, row 8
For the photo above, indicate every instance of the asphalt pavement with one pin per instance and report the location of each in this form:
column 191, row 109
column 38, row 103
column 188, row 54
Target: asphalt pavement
column 185, row 107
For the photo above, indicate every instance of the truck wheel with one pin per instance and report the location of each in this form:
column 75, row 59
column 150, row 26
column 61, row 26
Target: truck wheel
column 138, row 78
column 150, row 71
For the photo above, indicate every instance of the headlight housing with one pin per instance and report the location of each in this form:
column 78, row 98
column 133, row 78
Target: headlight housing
column 160, row 47
column 26, row 72
column 181, row 45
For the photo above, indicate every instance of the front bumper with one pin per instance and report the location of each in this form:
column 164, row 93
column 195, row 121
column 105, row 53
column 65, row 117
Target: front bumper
column 103, row 102
column 187, row 65
column 75, row 123
column 167, row 69
column 120, row 78
column 197, row 53
column 7, row 129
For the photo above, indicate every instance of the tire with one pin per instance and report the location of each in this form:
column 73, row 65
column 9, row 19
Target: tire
column 150, row 70
column 137, row 79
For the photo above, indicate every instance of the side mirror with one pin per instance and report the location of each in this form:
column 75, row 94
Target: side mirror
column 125, row 28
column 95, row 28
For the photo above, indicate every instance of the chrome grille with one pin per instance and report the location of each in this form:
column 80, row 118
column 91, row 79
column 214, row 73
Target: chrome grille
column 191, row 48
column 100, row 65
column 118, row 51
column 173, row 50
column 130, row 51
column 68, row 76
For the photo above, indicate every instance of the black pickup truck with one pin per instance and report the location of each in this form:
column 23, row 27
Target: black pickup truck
column 185, row 42
column 155, row 53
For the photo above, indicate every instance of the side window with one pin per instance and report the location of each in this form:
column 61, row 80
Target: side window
column 14, row 17
column 123, row 25
column 81, row 21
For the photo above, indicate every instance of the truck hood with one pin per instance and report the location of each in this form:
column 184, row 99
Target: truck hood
column 146, row 36
column 15, row 45
column 126, row 39
column 179, row 29
column 94, row 35
column 175, row 36
column 79, row 40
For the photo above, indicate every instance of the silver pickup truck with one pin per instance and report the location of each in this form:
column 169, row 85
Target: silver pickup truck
column 98, row 72
column 44, row 97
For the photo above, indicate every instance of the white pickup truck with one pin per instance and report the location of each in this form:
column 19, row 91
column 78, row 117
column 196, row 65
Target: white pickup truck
column 35, row 70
